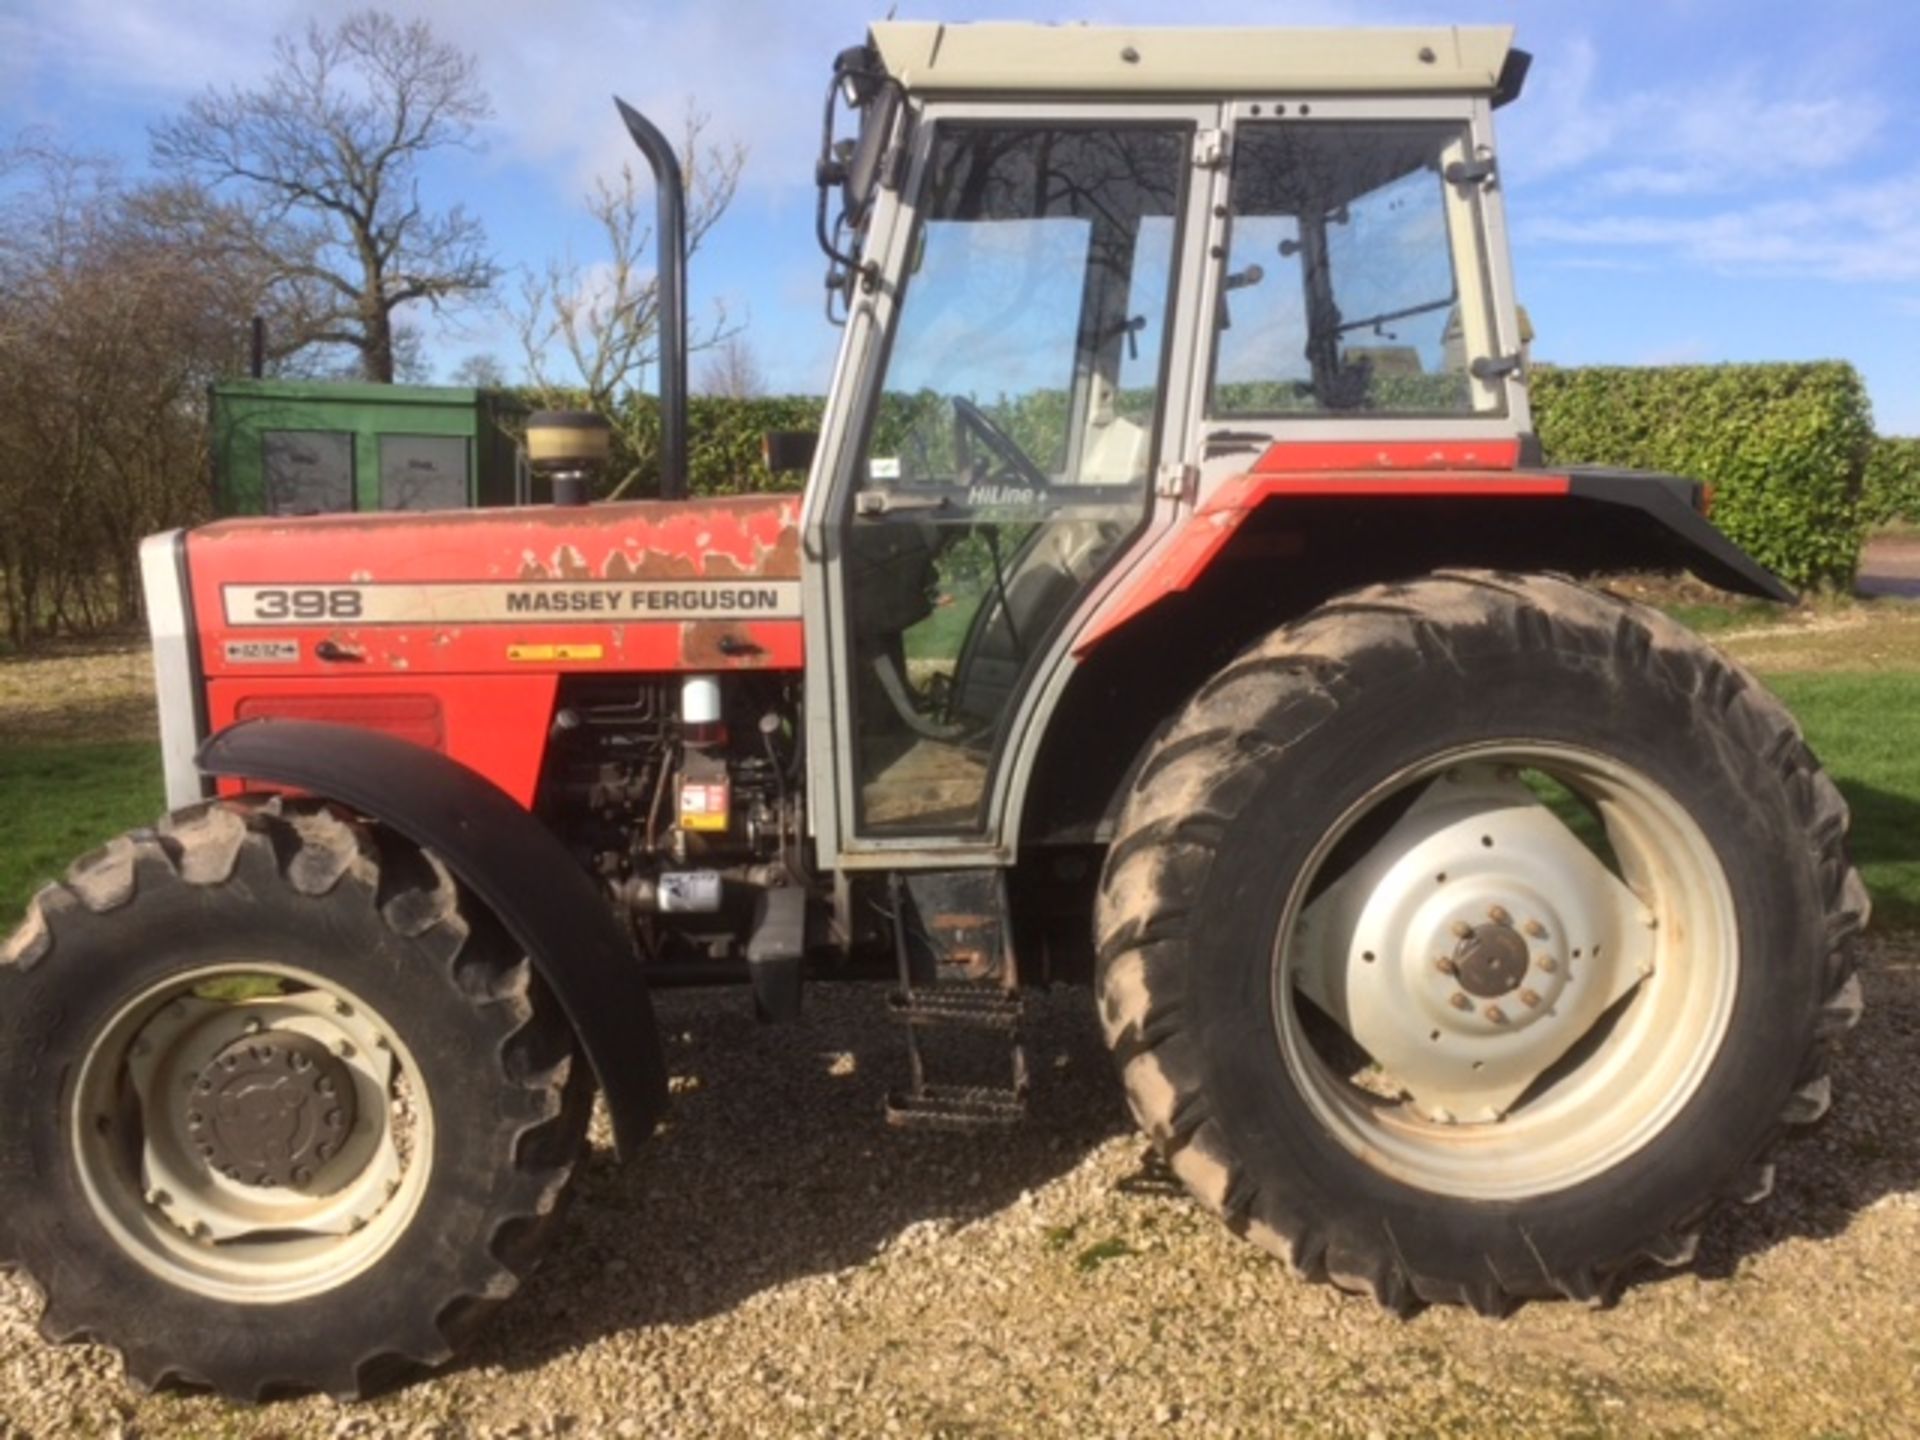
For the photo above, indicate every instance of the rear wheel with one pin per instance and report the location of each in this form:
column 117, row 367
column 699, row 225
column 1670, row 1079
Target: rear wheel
column 284, row 1112
column 1469, row 939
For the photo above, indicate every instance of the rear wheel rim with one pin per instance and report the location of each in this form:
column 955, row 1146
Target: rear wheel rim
column 1438, row 1001
column 251, row 1131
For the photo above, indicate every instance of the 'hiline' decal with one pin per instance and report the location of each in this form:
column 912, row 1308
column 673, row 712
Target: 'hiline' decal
column 553, row 602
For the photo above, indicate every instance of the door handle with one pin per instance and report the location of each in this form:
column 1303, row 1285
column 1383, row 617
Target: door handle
column 875, row 503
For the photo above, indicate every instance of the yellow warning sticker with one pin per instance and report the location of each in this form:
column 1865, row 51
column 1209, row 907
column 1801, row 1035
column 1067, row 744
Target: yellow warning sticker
column 537, row 653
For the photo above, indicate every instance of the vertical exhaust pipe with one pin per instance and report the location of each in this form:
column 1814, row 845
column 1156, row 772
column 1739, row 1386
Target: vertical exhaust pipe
column 670, row 234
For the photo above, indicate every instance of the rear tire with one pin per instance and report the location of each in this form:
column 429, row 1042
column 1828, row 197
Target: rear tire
column 1237, row 1024
column 180, row 1021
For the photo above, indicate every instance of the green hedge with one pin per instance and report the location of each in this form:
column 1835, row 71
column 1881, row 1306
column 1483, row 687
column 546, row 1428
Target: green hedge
column 1784, row 447
column 1892, row 493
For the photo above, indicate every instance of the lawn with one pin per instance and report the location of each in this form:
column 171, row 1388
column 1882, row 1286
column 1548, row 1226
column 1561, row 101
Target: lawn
column 59, row 801
column 1854, row 682
column 1866, row 728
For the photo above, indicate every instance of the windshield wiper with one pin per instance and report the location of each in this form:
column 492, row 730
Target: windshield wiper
column 1386, row 317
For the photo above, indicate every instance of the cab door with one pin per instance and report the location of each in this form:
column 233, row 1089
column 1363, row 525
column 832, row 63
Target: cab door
column 999, row 460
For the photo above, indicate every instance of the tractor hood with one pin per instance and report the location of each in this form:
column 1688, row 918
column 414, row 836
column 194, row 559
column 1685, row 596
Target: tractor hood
column 641, row 586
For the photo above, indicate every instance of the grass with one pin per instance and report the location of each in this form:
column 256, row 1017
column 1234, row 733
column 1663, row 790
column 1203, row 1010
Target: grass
column 59, row 801
column 1713, row 617
column 1866, row 728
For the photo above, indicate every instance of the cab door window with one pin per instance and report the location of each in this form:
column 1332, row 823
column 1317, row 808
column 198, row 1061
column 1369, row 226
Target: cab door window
column 1010, row 444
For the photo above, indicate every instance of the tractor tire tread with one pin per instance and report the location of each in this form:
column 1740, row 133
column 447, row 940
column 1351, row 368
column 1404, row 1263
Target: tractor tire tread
column 1195, row 783
column 317, row 850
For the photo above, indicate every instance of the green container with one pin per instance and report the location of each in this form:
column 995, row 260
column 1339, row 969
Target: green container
column 311, row 447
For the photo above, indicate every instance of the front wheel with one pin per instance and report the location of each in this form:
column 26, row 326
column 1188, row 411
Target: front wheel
column 1471, row 938
column 283, row 1110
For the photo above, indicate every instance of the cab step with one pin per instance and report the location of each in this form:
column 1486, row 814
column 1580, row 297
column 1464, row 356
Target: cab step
column 957, row 1002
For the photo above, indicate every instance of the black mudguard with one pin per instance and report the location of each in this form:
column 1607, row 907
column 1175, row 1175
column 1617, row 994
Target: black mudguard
column 1684, row 536
column 513, row 863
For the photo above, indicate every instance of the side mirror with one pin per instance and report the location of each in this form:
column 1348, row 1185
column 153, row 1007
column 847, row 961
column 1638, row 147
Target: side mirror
column 788, row 450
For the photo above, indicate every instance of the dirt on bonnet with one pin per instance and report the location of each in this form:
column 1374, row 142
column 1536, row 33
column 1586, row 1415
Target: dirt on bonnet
column 779, row 1263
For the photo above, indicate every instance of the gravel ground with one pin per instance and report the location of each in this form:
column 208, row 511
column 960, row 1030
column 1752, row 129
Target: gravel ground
column 779, row 1263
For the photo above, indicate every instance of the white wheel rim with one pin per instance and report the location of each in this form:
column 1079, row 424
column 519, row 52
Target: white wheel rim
column 139, row 1154
column 1499, row 1073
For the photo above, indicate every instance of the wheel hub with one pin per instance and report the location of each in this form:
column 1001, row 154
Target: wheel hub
column 1492, row 960
column 271, row 1109
column 1470, row 948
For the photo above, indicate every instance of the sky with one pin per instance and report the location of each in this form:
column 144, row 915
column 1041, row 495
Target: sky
column 1693, row 180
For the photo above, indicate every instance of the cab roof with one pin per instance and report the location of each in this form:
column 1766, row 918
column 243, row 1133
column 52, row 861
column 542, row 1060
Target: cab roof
column 999, row 57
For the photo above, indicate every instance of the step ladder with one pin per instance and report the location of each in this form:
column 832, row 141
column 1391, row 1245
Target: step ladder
column 958, row 990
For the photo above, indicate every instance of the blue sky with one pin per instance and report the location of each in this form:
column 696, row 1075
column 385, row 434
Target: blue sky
column 1693, row 180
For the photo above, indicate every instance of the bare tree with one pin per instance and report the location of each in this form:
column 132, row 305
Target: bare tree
column 481, row 370
column 733, row 370
column 324, row 159
column 111, row 328
column 590, row 331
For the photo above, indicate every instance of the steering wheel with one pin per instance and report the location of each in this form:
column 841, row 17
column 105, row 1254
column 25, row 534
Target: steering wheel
column 969, row 421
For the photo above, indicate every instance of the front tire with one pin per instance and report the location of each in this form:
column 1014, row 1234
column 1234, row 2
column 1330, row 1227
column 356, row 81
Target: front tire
column 1470, row 939
column 284, row 1110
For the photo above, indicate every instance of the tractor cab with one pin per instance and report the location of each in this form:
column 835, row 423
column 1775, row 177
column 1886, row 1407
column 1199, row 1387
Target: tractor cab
column 1086, row 276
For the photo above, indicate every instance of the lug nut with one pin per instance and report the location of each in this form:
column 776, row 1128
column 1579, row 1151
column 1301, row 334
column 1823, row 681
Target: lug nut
column 343, row 1049
column 1546, row 963
column 1444, row 965
column 1441, row 1115
column 1461, row 1000
column 1535, row 929
column 1498, row 915
column 1462, row 930
column 1529, row 998
column 1495, row 1014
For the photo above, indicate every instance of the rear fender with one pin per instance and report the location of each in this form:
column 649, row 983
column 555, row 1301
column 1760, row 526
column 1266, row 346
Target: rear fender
column 1264, row 549
column 1653, row 523
column 513, row 863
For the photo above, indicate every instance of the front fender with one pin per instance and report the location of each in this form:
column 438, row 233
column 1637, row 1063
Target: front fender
column 512, row 862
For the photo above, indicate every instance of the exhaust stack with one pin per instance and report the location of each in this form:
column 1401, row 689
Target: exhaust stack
column 671, row 235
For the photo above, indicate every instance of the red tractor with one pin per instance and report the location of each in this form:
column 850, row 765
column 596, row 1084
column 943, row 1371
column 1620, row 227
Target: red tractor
column 1178, row 602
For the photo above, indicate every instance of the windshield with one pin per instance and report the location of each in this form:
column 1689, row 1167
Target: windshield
column 1354, row 276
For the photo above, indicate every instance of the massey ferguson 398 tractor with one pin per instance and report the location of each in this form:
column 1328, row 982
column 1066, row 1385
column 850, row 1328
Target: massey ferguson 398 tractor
column 1178, row 601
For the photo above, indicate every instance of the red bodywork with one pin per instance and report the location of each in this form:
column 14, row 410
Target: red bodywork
column 1318, row 468
column 436, row 658
column 433, row 656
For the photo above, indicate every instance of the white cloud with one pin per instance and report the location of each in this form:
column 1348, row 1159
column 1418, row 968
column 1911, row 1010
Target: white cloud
column 1865, row 231
column 1733, row 133
column 1715, row 135
column 1558, row 126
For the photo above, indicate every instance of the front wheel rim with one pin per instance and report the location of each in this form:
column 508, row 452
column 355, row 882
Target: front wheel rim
column 1479, row 1000
column 252, row 1132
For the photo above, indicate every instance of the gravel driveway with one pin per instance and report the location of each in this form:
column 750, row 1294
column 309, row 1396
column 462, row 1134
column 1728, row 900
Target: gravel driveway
column 779, row 1263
